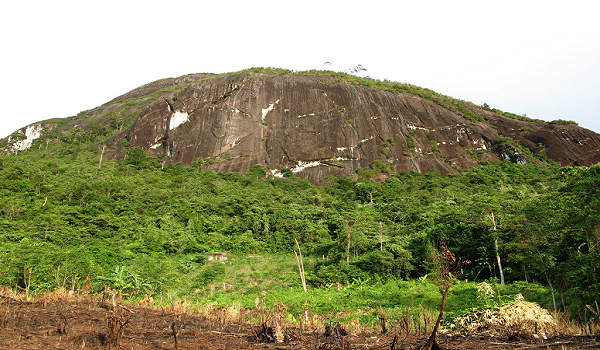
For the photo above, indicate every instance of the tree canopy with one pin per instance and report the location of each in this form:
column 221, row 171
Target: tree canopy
column 66, row 216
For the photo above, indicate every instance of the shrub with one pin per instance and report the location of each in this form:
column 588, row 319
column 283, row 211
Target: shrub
column 563, row 122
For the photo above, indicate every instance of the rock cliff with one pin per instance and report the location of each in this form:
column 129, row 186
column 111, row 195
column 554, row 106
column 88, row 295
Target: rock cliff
column 322, row 125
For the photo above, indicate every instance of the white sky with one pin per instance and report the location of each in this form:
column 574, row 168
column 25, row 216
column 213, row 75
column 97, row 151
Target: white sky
column 541, row 58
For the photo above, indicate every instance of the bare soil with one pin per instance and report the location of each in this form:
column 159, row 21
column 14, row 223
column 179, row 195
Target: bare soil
column 85, row 323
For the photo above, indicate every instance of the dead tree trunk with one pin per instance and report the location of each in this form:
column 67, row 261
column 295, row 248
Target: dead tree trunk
column 300, row 262
column 432, row 341
column 446, row 267
column 101, row 155
column 496, row 250
column 348, row 248
column 552, row 291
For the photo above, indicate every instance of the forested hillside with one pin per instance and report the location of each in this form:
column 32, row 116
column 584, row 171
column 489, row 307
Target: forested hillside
column 71, row 219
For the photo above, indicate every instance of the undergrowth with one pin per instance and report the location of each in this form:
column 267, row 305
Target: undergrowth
column 251, row 282
column 395, row 305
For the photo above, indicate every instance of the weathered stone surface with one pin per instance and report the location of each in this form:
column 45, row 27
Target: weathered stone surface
column 320, row 126
column 26, row 136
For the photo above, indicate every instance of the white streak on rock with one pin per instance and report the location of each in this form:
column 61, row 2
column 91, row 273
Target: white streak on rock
column 414, row 127
column 266, row 111
column 31, row 133
column 351, row 148
column 177, row 119
column 302, row 165
column 276, row 173
column 365, row 140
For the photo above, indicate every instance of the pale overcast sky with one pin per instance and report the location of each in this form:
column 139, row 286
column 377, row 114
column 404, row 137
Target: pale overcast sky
column 541, row 58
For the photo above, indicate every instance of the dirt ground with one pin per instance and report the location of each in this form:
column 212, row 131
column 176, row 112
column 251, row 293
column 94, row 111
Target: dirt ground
column 86, row 323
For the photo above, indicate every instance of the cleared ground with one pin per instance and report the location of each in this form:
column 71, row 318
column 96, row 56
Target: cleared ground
column 86, row 322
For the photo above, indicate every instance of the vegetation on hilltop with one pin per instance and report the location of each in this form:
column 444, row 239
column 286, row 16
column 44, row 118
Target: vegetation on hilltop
column 123, row 112
column 458, row 106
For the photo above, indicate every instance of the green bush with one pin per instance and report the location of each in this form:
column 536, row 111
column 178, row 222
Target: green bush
column 563, row 122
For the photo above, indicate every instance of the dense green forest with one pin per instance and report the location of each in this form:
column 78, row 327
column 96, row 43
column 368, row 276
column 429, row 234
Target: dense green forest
column 70, row 220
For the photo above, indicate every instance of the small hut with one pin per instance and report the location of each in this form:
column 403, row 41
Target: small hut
column 217, row 256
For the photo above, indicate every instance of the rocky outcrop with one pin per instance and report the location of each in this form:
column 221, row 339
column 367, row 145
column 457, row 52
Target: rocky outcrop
column 23, row 138
column 321, row 126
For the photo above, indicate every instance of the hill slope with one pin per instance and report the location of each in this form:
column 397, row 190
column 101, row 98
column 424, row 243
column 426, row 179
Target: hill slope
column 316, row 124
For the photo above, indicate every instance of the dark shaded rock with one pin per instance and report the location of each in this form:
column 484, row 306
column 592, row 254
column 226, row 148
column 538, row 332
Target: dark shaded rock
column 321, row 126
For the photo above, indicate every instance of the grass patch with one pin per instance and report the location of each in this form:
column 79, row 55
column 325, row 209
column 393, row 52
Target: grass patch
column 247, row 281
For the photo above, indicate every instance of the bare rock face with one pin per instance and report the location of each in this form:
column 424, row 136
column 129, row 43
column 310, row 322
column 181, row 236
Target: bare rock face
column 321, row 126
column 23, row 138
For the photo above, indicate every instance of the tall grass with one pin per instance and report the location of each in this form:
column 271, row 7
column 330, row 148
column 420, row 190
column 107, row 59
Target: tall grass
column 244, row 282
column 256, row 289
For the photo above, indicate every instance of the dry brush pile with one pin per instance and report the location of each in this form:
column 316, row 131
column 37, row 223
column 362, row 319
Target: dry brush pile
column 517, row 318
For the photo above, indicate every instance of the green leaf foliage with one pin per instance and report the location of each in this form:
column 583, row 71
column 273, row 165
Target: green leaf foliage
column 138, row 227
